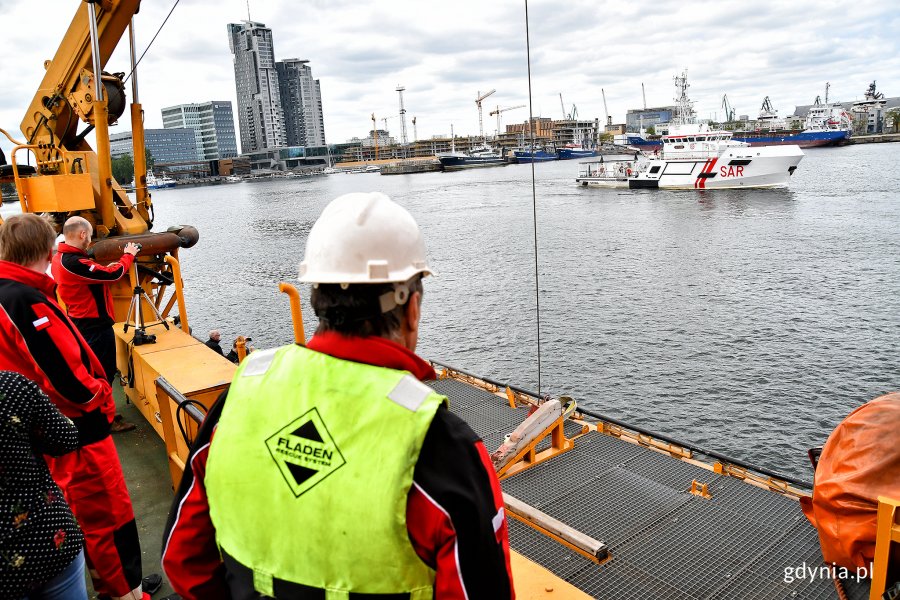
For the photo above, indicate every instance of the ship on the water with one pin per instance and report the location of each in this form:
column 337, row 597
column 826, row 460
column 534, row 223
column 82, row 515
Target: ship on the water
column 480, row 156
column 535, row 154
column 695, row 157
column 595, row 507
column 825, row 125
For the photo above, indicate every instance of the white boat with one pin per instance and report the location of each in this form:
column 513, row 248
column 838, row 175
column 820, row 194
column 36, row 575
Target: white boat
column 695, row 157
column 158, row 183
column 233, row 179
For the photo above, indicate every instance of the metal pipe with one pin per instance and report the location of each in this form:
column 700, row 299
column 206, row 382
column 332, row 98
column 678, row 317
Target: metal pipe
column 134, row 82
column 180, row 399
column 95, row 51
column 686, row 445
column 296, row 311
column 585, row 543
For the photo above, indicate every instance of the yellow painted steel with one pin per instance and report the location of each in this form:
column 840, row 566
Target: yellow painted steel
column 179, row 291
column 296, row 311
column 533, row 582
column 529, row 457
column 887, row 533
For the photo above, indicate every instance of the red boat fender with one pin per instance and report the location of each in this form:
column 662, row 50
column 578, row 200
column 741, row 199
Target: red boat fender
column 111, row 249
column 860, row 461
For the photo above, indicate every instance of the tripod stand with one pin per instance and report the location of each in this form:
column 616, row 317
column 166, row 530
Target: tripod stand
column 135, row 316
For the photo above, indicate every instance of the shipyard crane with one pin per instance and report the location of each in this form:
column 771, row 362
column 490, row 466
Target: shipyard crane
column 605, row 109
column 480, row 123
column 729, row 110
column 415, row 134
column 375, row 134
column 403, row 140
column 499, row 110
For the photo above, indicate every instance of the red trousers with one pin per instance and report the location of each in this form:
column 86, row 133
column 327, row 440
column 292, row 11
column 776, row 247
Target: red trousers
column 92, row 481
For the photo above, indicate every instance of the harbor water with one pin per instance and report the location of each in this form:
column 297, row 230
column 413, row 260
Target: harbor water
column 748, row 321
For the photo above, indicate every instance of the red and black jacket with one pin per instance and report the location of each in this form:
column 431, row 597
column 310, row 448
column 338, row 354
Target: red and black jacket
column 40, row 342
column 84, row 286
column 454, row 510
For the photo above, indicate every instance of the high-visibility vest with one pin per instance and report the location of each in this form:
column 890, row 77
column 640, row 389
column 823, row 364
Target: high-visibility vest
column 309, row 470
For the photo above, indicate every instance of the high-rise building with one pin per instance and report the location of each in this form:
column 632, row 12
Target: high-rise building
column 301, row 100
column 213, row 126
column 166, row 146
column 260, row 117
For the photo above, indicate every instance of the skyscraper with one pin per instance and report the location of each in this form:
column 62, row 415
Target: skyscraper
column 212, row 123
column 260, row 117
column 301, row 100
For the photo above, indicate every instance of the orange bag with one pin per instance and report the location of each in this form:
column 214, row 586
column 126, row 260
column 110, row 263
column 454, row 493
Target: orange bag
column 860, row 461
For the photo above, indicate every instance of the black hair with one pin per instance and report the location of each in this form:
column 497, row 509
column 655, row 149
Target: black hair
column 356, row 310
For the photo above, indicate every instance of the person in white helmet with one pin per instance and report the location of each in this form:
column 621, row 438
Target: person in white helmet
column 332, row 466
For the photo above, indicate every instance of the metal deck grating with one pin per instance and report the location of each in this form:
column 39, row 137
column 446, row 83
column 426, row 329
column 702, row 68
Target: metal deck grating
column 615, row 580
column 544, row 483
column 764, row 507
column 548, row 553
column 694, row 548
column 662, row 469
column 463, row 395
column 615, row 506
column 609, row 450
column 665, row 543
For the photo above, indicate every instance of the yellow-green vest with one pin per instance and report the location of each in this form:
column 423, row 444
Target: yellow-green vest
column 309, row 470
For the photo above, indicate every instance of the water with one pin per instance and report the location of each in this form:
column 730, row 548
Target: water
column 748, row 321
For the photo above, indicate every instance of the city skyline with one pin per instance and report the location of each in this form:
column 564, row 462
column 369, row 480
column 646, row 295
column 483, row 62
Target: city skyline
column 445, row 54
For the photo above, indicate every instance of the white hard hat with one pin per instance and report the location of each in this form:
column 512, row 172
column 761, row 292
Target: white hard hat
column 363, row 238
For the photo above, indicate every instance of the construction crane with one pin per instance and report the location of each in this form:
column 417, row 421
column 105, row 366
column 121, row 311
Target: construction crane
column 480, row 123
column 375, row 134
column 403, row 139
column 605, row 110
column 499, row 110
column 415, row 135
column 729, row 110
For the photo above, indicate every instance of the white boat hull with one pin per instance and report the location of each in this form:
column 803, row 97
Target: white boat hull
column 735, row 167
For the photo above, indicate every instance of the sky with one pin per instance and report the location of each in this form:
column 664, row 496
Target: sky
column 445, row 53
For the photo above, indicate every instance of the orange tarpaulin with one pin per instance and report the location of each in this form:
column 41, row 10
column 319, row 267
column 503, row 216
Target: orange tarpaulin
column 860, row 461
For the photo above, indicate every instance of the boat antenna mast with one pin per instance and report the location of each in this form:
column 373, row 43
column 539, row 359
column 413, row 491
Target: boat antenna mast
column 684, row 108
column 480, row 122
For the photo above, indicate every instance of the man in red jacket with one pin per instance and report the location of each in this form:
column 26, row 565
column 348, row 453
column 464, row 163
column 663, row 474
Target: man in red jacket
column 84, row 287
column 39, row 341
column 445, row 511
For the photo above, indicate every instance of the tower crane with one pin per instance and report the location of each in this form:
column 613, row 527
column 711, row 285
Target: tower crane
column 605, row 110
column 480, row 123
column 499, row 110
column 375, row 134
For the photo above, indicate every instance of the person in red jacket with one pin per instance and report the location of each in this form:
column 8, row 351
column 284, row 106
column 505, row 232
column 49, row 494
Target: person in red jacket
column 454, row 514
column 84, row 287
column 39, row 341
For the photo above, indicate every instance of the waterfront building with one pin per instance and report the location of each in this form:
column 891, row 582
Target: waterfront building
column 175, row 147
column 260, row 115
column 301, row 101
column 637, row 118
column 212, row 122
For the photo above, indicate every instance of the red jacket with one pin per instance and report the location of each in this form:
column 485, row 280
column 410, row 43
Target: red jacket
column 454, row 510
column 84, row 285
column 40, row 342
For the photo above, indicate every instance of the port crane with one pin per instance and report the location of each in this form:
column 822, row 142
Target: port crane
column 572, row 115
column 729, row 110
column 499, row 110
column 375, row 134
column 478, row 101
column 605, row 109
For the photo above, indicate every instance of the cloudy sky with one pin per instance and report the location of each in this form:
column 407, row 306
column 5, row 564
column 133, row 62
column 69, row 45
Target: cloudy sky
column 444, row 53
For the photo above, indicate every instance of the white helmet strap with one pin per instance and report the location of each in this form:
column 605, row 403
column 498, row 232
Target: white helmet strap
column 392, row 299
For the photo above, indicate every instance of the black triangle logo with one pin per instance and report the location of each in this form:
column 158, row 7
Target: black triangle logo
column 300, row 473
column 309, row 431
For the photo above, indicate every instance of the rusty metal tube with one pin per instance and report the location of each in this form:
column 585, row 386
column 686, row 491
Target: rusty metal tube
column 296, row 311
column 152, row 244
